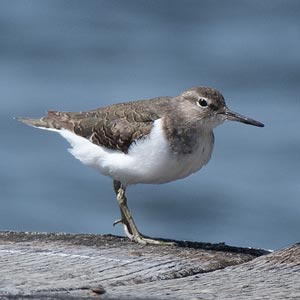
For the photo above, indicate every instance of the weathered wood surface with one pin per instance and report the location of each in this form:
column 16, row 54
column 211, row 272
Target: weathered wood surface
column 63, row 266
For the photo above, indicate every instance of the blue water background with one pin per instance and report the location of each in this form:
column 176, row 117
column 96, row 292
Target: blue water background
column 79, row 55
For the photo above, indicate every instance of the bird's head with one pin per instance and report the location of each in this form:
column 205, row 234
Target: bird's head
column 208, row 106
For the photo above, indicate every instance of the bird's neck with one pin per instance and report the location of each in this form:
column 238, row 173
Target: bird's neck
column 184, row 134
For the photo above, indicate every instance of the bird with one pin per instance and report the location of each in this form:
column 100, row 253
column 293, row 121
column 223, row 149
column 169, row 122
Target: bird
column 151, row 141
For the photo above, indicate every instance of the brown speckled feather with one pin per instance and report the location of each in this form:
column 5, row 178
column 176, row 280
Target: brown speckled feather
column 114, row 127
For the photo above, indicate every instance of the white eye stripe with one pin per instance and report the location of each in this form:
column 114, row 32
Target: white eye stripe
column 202, row 102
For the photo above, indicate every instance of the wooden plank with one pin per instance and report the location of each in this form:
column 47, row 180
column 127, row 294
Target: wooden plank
column 64, row 266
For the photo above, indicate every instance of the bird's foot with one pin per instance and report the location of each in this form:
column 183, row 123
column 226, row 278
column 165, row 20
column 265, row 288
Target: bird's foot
column 117, row 222
column 139, row 238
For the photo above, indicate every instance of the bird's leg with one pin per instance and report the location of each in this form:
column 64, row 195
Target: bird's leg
column 127, row 220
column 123, row 220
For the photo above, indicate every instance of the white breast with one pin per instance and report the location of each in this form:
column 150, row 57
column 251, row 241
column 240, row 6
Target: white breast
column 149, row 160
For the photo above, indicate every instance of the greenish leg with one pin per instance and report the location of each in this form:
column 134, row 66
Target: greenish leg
column 127, row 220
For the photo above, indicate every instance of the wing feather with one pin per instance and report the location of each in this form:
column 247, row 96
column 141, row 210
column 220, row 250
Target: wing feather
column 115, row 127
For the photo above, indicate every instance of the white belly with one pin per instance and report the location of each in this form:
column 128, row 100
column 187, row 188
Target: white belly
column 149, row 160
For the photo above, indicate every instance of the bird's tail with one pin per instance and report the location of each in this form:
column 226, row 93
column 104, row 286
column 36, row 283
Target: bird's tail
column 35, row 122
column 54, row 120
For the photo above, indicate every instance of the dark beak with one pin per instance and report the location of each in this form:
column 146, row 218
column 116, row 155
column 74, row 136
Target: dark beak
column 233, row 116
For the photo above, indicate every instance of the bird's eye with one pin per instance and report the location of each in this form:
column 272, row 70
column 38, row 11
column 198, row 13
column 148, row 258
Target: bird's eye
column 202, row 102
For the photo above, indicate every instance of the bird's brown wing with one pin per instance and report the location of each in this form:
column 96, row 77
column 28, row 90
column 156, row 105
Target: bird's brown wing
column 113, row 132
column 115, row 127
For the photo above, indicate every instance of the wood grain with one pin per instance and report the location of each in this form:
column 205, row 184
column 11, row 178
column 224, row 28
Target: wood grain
column 64, row 266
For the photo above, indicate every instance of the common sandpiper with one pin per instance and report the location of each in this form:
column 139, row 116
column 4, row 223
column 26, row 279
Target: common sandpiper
column 146, row 141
